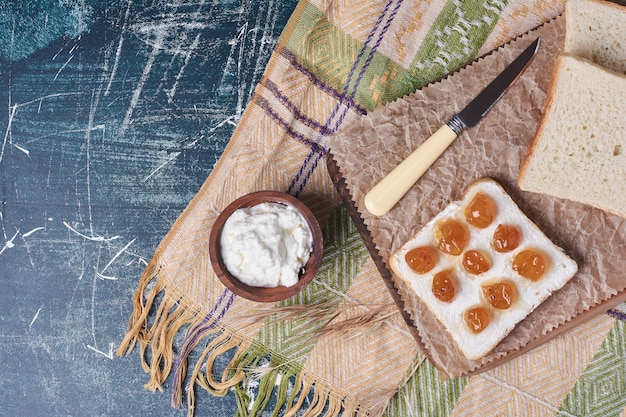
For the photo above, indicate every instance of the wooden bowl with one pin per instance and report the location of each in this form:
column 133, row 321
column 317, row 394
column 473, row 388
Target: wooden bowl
column 265, row 294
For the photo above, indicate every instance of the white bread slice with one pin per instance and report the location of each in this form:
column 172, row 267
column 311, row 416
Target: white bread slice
column 469, row 294
column 579, row 149
column 596, row 30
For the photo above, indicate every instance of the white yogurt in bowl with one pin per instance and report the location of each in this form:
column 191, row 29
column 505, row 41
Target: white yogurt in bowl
column 266, row 245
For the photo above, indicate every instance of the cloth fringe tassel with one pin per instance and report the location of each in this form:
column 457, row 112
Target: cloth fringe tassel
column 155, row 338
column 255, row 385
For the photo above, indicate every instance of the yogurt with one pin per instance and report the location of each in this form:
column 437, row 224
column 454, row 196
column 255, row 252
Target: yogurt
column 266, row 245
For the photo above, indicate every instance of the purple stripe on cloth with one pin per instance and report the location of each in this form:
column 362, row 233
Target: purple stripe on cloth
column 311, row 162
column 308, row 166
column 341, row 97
column 209, row 322
column 368, row 61
column 264, row 104
column 307, row 121
column 617, row 314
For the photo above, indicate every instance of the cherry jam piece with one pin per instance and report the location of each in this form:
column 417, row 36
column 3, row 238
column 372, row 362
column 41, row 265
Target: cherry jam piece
column 530, row 263
column 506, row 238
column 477, row 319
column 452, row 237
column 481, row 211
column 444, row 285
column 475, row 262
column 500, row 295
column 421, row 259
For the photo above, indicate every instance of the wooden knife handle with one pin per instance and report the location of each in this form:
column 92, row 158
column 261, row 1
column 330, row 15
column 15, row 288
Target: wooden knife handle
column 380, row 199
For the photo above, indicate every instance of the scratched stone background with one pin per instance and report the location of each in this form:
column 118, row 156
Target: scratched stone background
column 112, row 114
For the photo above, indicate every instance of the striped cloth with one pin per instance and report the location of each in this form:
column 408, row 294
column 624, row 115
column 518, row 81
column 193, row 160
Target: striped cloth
column 341, row 346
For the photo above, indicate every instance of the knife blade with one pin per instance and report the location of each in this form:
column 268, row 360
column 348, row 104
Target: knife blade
column 384, row 195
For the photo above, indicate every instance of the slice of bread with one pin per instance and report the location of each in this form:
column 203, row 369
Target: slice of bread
column 470, row 285
column 596, row 30
column 579, row 149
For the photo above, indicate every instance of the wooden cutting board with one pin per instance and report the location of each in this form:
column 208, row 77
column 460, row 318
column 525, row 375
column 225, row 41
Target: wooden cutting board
column 365, row 150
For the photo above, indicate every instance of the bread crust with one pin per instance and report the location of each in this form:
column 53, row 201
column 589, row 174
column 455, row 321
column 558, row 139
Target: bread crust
column 549, row 103
column 566, row 61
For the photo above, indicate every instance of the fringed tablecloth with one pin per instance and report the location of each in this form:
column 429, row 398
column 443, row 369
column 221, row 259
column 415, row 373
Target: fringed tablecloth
column 341, row 346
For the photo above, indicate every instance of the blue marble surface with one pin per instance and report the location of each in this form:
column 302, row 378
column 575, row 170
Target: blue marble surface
column 112, row 114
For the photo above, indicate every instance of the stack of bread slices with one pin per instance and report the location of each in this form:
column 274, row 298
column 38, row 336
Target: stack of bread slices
column 579, row 149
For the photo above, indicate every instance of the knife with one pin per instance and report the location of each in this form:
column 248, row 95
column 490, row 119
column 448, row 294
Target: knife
column 380, row 199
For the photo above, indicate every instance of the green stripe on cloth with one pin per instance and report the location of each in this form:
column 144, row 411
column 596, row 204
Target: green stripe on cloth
column 426, row 394
column 330, row 55
column 290, row 340
column 601, row 389
column 460, row 30
column 385, row 81
column 455, row 38
column 322, row 48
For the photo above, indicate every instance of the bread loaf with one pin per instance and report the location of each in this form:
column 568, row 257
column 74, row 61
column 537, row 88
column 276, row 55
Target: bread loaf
column 579, row 149
column 481, row 266
column 596, row 30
